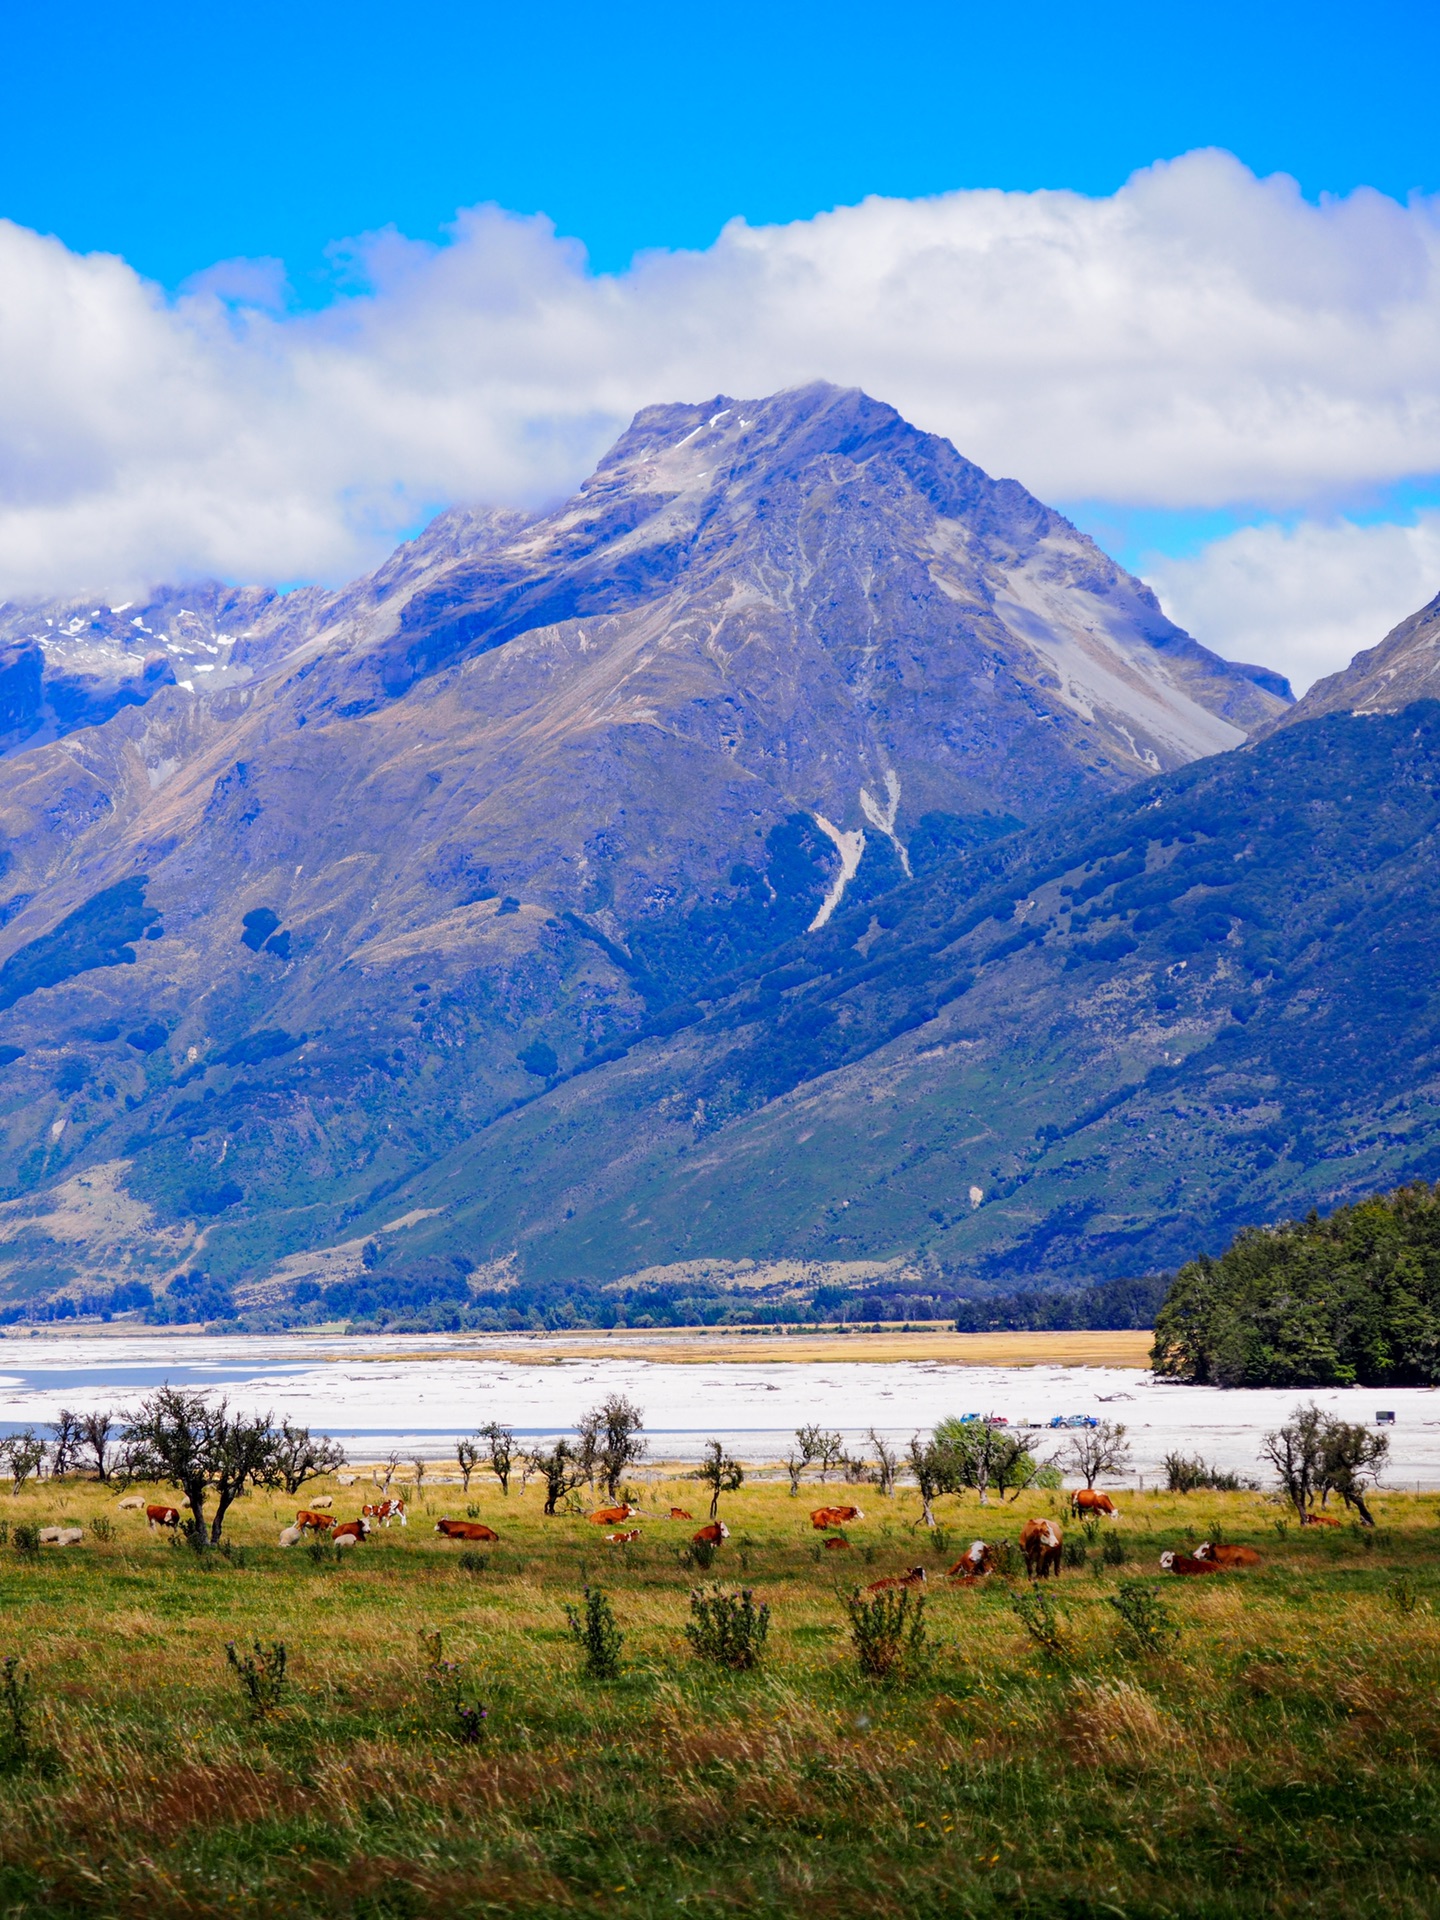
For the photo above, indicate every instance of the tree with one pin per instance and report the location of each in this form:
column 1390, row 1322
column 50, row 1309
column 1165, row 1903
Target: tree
column 972, row 1453
column 1096, row 1450
column 501, row 1441
column 98, row 1430
column 886, row 1465
column 562, row 1467
column 417, row 1461
column 720, row 1473
column 934, row 1468
column 1350, row 1459
column 22, row 1454
column 65, row 1447
column 468, row 1457
column 1296, row 1452
column 196, row 1444
column 301, row 1456
column 794, row 1464
column 610, row 1442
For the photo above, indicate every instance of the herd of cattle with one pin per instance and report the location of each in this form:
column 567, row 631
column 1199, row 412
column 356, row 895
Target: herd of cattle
column 1041, row 1541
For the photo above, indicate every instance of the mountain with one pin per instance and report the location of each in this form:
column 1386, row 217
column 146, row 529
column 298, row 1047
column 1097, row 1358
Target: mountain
column 1403, row 668
column 1091, row 1049
column 302, row 892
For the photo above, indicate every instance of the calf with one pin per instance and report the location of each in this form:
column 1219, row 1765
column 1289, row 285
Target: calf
column 837, row 1542
column 309, row 1522
column 1186, row 1564
column 162, row 1517
column 465, row 1530
column 612, row 1516
column 1318, row 1520
column 350, row 1533
column 1086, row 1500
column 1227, row 1556
column 914, row 1578
column 711, row 1535
column 622, row 1539
column 391, row 1508
column 977, row 1560
column 1040, row 1542
column 824, row 1517
column 679, row 1513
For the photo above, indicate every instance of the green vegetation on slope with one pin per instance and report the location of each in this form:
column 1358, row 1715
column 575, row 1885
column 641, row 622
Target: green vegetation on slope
column 1350, row 1300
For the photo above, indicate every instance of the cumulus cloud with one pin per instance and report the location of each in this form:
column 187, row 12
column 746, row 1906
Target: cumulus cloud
column 1303, row 599
column 1200, row 338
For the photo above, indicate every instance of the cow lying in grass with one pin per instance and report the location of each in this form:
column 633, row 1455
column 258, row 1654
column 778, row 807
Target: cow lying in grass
column 826, row 1517
column 895, row 1581
column 465, row 1530
column 622, row 1539
column 1227, row 1556
column 974, row 1564
column 1187, row 1564
column 611, row 1516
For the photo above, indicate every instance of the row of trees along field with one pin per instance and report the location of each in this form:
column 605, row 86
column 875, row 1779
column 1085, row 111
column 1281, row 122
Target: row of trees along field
column 1350, row 1300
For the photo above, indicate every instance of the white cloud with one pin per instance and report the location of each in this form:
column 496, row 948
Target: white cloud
column 1200, row 338
column 1305, row 599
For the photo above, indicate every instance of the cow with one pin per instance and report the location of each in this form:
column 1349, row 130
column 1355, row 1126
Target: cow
column 612, row 1516
column 892, row 1582
column 350, row 1533
column 1227, row 1556
column 323, row 1500
column 465, row 1530
column 1186, row 1564
column 391, row 1508
column 309, row 1522
column 679, row 1513
column 61, row 1536
column 133, row 1503
column 837, row 1542
column 712, row 1535
column 1318, row 1520
column 825, row 1517
column 622, row 1539
column 1040, row 1542
column 1086, row 1500
column 977, row 1560
column 290, row 1536
column 162, row 1517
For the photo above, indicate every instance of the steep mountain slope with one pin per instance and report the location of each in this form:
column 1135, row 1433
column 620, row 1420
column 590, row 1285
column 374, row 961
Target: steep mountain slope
column 1404, row 667
column 279, row 934
column 1092, row 1048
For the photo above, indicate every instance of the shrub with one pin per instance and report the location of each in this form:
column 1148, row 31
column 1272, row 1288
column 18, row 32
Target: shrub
column 1076, row 1552
column 1402, row 1594
column 701, row 1554
column 597, row 1635
column 17, row 1743
column 25, row 1537
column 1112, row 1550
column 469, row 1724
column 1035, row 1611
column 102, row 1527
column 1150, row 1623
column 1187, row 1475
column 472, row 1562
column 261, row 1675
column 727, row 1628
column 888, row 1631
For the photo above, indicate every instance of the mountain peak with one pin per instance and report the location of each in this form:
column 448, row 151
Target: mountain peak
column 1404, row 667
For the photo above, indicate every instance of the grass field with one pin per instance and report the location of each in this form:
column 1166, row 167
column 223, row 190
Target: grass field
column 1283, row 1757
column 705, row 1346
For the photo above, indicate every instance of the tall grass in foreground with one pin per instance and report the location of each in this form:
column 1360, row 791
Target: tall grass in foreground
column 436, row 1748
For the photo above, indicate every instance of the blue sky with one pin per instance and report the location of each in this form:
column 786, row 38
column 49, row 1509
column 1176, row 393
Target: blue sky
column 179, row 137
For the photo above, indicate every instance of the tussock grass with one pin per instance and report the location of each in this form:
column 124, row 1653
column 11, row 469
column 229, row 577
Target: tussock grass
column 1282, row 1756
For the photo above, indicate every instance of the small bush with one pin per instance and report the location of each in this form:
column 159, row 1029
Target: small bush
column 1150, row 1623
column 322, row 1550
column 727, row 1628
column 1402, row 1593
column 701, row 1554
column 18, row 1747
column 472, row 1562
column 1112, row 1551
column 261, row 1676
column 597, row 1635
column 1184, row 1474
column 103, row 1528
column 1035, row 1611
column 1009, row 1561
column 25, row 1537
column 888, row 1631
column 1076, row 1553
column 235, row 1555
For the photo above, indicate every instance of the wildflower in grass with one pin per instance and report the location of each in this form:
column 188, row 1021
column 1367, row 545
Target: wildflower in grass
column 597, row 1635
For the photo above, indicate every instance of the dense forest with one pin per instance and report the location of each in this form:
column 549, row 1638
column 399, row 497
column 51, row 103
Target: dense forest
column 1353, row 1299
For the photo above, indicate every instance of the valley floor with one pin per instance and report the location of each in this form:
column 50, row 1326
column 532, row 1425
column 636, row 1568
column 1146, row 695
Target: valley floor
column 1282, row 1757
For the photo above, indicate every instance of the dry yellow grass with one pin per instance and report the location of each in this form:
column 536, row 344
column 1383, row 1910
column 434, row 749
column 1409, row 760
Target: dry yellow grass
column 701, row 1346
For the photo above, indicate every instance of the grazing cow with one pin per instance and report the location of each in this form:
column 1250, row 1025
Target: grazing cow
column 1086, row 1500
column 290, row 1536
column 679, row 1513
column 133, row 1503
column 1318, row 1520
column 1187, row 1563
column 350, row 1533
column 1227, row 1556
column 914, row 1578
column 836, row 1542
column 391, row 1508
column 61, row 1536
column 162, row 1517
column 1040, row 1542
column 465, row 1530
column 622, row 1539
column 309, row 1522
column 711, row 1535
column 977, row 1560
column 824, row 1517
column 612, row 1516
column 323, row 1500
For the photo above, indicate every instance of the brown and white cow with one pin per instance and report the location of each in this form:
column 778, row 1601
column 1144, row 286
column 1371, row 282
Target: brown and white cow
column 309, row 1522
column 679, row 1513
column 386, row 1510
column 465, row 1530
column 914, row 1578
column 1086, row 1500
column 1186, row 1564
column 825, row 1517
column 350, row 1533
column 622, row 1539
column 977, row 1560
column 837, row 1543
column 1319, row 1520
column 162, row 1517
column 1040, row 1542
column 1225, row 1555
column 611, row 1516
column 711, row 1535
